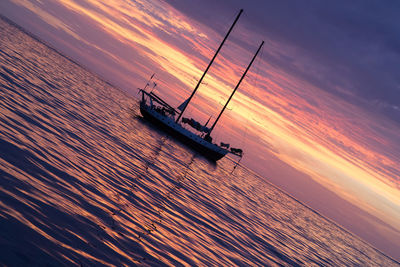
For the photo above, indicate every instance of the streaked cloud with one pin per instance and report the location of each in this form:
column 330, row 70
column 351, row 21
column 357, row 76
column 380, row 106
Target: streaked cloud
column 47, row 17
column 288, row 105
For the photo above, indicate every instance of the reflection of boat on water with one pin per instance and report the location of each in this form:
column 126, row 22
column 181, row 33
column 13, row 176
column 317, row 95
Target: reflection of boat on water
column 156, row 110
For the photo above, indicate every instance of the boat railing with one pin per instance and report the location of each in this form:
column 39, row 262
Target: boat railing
column 157, row 99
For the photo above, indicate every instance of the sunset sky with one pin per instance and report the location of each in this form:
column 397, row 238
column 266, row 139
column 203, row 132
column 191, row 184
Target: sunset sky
column 319, row 111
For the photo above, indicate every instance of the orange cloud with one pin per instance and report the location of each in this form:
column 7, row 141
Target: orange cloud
column 299, row 123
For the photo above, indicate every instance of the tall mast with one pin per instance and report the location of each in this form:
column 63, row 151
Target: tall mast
column 209, row 65
column 237, row 86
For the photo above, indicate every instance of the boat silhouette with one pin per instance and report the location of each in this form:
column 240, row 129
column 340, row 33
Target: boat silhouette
column 154, row 109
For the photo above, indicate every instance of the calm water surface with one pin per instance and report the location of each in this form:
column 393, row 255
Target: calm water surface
column 84, row 180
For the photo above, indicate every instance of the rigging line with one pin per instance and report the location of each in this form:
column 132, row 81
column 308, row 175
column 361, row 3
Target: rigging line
column 208, row 67
column 237, row 164
column 147, row 83
column 257, row 75
column 155, row 84
column 258, row 70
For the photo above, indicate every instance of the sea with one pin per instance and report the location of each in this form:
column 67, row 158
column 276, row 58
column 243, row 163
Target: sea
column 84, row 180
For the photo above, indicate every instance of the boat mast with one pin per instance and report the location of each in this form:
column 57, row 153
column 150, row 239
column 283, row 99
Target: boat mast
column 237, row 86
column 209, row 65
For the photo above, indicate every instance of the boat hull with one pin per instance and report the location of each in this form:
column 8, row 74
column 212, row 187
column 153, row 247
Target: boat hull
column 182, row 135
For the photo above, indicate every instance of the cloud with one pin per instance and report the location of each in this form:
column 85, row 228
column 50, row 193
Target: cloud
column 287, row 108
column 350, row 49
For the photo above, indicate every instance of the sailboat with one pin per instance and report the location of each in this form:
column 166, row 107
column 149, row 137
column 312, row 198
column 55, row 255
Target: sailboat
column 170, row 119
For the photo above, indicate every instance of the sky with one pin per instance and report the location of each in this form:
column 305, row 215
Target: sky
column 318, row 114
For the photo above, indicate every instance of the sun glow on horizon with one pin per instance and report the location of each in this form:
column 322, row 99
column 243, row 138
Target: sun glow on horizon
column 300, row 123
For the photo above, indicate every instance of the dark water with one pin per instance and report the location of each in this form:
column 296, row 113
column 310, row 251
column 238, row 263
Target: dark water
column 83, row 180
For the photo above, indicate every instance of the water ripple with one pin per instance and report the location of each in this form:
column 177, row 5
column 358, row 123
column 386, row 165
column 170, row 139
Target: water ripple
column 85, row 181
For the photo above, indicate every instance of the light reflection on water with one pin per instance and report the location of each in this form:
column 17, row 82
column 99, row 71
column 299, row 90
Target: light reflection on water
column 84, row 180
